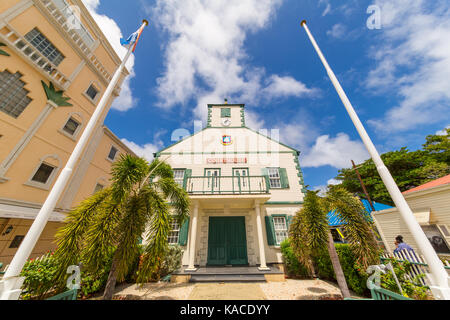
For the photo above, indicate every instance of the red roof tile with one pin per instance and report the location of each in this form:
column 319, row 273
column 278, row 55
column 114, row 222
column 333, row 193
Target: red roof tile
column 431, row 184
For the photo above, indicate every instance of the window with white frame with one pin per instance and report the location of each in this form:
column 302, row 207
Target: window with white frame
column 13, row 96
column 274, row 178
column 112, row 153
column 281, row 231
column 71, row 126
column 43, row 173
column 178, row 175
column 92, row 92
column 174, row 233
column 44, row 46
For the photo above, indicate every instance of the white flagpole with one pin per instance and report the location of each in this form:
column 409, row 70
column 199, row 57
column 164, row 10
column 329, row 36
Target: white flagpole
column 10, row 287
column 440, row 278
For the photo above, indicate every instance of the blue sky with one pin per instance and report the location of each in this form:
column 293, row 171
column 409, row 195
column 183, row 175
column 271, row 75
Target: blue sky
column 254, row 52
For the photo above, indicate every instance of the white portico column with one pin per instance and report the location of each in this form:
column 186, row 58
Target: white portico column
column 191, row 266
column 262, row 253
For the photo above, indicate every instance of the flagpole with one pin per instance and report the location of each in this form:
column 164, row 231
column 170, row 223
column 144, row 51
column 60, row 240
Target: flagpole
column 11, row 283
column 440, row 278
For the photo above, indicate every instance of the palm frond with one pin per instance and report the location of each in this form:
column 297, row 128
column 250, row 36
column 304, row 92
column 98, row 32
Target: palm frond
column 69, row 238
column 315, row 219
column 127, row 172
column 297, row 236
column 176, row 196
column 160, row 169
column 156, row 236
column 131, row 227
column 101, row 235
column 358, row 231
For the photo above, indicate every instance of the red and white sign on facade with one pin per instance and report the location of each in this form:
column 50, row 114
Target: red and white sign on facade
column 226, row 160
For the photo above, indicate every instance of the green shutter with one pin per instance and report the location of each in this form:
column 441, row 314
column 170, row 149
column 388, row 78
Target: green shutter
column 187, row 174
column 225, row 112
column 284, row 178
column 270, row 230
column 265, row 173
column 289, row 220
column 183, row 237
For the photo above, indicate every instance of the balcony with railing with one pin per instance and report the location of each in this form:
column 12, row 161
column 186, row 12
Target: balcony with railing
column 61, row 12
column 220, row 185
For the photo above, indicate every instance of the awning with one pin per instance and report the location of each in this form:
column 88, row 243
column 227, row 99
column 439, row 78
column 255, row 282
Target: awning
column 18, row 212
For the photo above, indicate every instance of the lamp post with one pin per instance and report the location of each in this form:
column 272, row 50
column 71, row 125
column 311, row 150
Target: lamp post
column 439, row 276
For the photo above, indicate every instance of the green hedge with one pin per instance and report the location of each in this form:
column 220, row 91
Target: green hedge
column 294, row 268
column 356, row 279
column 40, row 284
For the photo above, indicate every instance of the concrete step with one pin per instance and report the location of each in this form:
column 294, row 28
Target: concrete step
column 227, row 278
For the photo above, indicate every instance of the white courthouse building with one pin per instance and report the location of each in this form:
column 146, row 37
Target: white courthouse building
column 244, row 187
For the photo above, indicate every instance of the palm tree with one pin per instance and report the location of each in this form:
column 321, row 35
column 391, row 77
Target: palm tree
column 310, row 234
column 358, row 230
column 136, row 204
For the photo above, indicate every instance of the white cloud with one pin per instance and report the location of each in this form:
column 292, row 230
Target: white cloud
column 113, row 33
column 286, row 86
column 253, row 121
column 327, row 10
column 146, row 151
column 443, row 132
column 334, row 182
column 413, row 56
column 336, row 152
column 323, row 189
column 338, row 31
column 205, row 59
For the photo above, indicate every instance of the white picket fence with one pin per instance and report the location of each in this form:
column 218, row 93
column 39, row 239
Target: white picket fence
column 419, row 265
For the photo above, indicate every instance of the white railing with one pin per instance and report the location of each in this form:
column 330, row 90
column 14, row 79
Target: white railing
column 60, row 10
column 419, row 265
column 29, row 52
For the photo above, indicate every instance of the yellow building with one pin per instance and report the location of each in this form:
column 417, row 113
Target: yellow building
column 55, row 64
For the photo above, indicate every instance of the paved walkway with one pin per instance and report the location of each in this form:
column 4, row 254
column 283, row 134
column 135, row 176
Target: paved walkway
column 289, row 290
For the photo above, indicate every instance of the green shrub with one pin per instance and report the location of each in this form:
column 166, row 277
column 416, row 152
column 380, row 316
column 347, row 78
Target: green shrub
column 355, row 276
column 172, row 260
column 39, row 275
column 294, row 268
column 411, row 287
column 40, row 283
column 324, row 267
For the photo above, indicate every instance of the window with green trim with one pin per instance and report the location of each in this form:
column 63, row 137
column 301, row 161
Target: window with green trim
column 174, row 233
column 281, row 229
column 178, row 175
column 225, row 112
column 278, row 178
column 274, row 178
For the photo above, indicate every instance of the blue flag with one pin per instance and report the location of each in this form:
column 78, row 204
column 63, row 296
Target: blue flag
column 131, row 39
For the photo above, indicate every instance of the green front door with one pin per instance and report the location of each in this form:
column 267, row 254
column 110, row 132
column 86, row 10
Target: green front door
column 227, row 243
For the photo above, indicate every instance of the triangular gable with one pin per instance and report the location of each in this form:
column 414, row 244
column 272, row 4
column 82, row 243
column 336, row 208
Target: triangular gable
column 210, row 140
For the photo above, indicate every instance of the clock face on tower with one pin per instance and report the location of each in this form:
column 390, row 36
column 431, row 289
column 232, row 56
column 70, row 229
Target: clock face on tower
column 226, row 122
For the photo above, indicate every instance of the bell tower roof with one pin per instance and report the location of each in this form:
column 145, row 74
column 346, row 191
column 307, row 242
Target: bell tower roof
column 226, row 115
